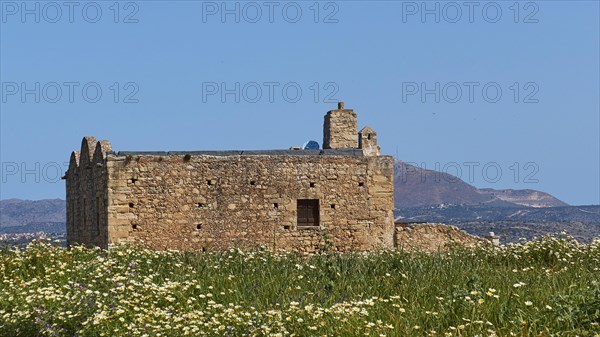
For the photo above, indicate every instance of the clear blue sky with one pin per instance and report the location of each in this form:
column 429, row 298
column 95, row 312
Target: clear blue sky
column 376, row 56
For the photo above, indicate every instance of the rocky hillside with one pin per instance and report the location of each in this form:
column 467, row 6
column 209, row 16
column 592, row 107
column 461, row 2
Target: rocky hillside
column 16, row 212
column 35, row 227
column 511, row 223
column 462, row 213
column 513, row 231
column 418, row 187
column 531, row 198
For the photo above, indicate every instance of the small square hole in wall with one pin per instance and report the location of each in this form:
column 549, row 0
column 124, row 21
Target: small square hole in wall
column 361, row 184
column 133, row 180
column 198, row 227
column 312, row 184
column 200, row 204
column 131, row 205
column 333, row 206
column 286, row 227
column 209, row 182
column 275, row 205
column 252, row 182
column 134, row 227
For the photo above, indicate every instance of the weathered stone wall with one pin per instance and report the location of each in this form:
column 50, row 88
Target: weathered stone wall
column 431, row 237
column 340, row 129
column 86, row 181
column 200, row 202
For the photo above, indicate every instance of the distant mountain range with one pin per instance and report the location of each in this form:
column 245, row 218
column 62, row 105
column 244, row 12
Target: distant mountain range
column 420, row 196
column 17, row 212
column 417, row 187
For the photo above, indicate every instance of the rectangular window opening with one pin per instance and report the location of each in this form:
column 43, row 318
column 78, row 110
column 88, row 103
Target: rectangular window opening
column 308, row 212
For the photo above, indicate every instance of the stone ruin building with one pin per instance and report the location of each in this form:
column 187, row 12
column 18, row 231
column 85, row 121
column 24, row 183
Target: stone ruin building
column 340, row 196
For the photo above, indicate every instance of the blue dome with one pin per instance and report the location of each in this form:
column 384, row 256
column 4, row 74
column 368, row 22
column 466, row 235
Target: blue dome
column 311, row 145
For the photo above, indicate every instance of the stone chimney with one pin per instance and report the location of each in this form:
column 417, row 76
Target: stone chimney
column 340, row 129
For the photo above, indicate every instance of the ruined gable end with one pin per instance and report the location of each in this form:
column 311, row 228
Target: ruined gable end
column 101, row 150
column 73, row 162
column 88, row 146
column 105, row 146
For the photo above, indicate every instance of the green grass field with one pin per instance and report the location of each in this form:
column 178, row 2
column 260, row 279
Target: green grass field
column 549, row 287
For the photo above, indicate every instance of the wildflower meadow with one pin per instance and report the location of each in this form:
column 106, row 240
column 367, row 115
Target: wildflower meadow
column 547, row 287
